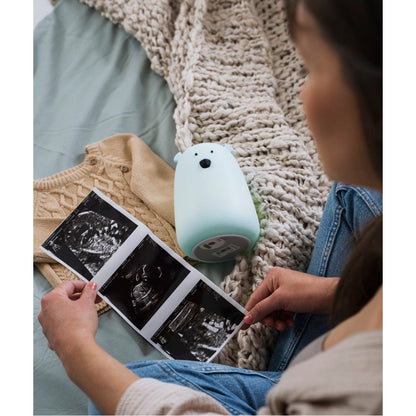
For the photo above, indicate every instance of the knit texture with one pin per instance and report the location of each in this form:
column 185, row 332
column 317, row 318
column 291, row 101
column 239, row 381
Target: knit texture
column 235, row 76
column 126, row 170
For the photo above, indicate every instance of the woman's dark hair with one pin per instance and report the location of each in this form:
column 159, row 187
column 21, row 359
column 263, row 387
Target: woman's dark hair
column 362, row 275
column 354, row 29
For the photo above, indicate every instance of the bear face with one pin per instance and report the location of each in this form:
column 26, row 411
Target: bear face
column 205, row 156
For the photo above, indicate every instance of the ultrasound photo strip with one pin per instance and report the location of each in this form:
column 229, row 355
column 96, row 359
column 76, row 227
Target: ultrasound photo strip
column 144, row 281
column 200, row 326
column 89, row 236
column 171, row 304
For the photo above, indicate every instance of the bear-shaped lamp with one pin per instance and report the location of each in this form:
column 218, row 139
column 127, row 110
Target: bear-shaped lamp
column 215, row 217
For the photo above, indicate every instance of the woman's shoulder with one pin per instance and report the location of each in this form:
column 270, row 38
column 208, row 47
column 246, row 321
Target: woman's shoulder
column 346, row 378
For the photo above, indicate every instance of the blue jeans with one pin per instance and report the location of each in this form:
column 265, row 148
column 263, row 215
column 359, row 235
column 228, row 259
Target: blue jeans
column 347, row 211
column 241, row 391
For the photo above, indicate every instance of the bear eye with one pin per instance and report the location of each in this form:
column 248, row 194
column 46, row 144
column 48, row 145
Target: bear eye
column 212, row 151
column 196, row 154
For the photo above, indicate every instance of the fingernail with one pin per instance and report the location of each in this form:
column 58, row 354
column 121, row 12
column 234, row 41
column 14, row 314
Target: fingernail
column 248, row 319
column 92, row 285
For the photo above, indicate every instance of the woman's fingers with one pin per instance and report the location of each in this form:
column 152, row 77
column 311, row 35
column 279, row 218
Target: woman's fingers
column 71, row 287
column 262, row 309
column 279, row 319
column 261, row 292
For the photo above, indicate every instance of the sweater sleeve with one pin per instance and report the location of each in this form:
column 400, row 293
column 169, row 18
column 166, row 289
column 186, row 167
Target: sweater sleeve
column 148, row 396
column 345, row 379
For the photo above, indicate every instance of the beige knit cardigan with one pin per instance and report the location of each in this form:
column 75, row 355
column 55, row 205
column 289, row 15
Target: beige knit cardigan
column 125, row 169
column 235, row 76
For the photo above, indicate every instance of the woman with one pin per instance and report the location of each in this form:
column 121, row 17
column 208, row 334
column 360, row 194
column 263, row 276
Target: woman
column 340, row 43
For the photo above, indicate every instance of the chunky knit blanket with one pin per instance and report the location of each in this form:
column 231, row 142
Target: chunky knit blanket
column 235, row 76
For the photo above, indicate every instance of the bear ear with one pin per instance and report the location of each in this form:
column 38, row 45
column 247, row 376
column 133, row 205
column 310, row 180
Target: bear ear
column 229, row 148
column 177, row 157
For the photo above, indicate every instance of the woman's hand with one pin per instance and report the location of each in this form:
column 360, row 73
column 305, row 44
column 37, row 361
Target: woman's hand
column 68, row 315
column 285, row 292
column 69, row 321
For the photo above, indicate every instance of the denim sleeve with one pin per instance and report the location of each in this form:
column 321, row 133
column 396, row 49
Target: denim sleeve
column 347, row 211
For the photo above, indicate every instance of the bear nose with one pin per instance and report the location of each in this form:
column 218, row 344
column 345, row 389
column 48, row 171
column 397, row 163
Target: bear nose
column 205, row 163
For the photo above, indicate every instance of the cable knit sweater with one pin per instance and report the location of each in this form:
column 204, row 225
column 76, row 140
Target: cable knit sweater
column 125, row 169
column 234, row 74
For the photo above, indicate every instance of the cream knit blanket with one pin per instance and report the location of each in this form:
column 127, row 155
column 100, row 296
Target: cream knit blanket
column 235, row 77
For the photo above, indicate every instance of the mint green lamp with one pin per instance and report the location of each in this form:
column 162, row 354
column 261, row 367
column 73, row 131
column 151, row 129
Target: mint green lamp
column 215, row 217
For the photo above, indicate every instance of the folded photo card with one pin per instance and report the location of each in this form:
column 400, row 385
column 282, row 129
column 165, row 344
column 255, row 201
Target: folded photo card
column 172, row 305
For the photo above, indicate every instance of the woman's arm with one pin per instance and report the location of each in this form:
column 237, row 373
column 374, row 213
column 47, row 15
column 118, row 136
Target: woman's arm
column 102, row 378
column 69, row 321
